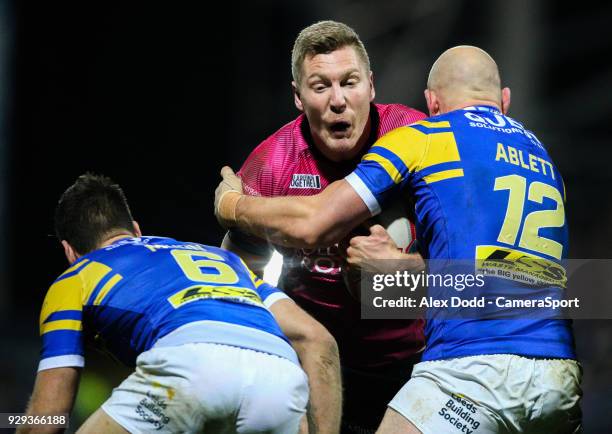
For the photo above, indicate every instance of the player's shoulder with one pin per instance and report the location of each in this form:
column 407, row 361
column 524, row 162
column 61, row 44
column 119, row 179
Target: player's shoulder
column 433, row 125
column 205, row 250
column 226, row 256
column 392, row 116
column 127, row 245
column 279, row 147
column 408, row 142
column 267, row 170
column 122, row 252
column 70, row 275
column 412, row 134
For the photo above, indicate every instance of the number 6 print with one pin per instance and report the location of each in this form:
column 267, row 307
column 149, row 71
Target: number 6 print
column 192, row 264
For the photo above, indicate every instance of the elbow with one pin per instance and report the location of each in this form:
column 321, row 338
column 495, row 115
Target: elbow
column 315, row 231
column 316, row 225
column 317, row 339
column 326, row 341
column 307, row 236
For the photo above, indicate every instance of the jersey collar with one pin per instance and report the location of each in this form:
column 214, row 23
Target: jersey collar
column 482, row 108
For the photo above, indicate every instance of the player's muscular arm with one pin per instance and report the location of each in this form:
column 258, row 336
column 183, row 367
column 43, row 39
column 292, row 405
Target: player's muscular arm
column 318, row 355
column 54, row 393
column 294, row 221
column 256, row 262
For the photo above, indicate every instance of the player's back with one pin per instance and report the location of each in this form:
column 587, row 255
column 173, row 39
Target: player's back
column 499, row 198
column 489, row 166
column 492, row 193
column 140, row 292
column 485, row 189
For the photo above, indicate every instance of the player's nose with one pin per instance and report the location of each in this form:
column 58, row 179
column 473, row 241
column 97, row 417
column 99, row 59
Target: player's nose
column 337, row 99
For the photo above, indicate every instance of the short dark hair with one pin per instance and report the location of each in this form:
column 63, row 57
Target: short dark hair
column 92, row 208
column 324, row 37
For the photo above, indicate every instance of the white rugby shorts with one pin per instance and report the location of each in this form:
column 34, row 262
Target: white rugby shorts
column 498, row 393
column 204, row 387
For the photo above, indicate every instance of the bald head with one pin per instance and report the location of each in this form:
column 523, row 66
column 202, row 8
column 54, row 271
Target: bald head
column 464, row 76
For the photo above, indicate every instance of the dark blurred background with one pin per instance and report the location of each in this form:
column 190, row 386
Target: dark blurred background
column 159, row 97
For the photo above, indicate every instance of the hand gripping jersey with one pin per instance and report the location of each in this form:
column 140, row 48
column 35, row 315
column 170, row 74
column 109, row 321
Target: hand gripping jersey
column 288, row 164
column 484, row 188
column 142, row 292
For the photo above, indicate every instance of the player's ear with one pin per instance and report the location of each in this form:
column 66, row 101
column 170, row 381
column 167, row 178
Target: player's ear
column 372, row 89
column 296, row 97
column 137, row 231
column 505, row 100
column 70, row 253
column 433, row 104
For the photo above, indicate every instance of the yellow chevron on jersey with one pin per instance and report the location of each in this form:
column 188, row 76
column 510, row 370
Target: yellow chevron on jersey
column 74, row 267
column 62, row 324
column 91, row 275
column 441, row 148
column 423, row 146
column 63, row 295
column 442, row 175
column 430, row 124
column 106, row 288
column 63, row 305
column 390, row 152
column 395, row 174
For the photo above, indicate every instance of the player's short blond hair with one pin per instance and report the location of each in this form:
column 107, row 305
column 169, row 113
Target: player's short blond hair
column 324, row 37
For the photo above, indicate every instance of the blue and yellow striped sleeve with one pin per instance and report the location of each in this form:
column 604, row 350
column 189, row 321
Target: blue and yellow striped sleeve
column 388, row 164
column 269, row 294
column 61, row 322
column 425, row 151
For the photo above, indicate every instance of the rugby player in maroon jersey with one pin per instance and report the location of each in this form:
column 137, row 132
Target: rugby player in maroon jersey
column 334, row 89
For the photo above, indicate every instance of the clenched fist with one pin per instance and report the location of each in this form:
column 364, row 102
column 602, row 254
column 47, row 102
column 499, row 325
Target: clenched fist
column 227, row 195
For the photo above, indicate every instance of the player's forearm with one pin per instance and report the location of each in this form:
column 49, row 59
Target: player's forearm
column 322, row 365
column 287, row 221
column 412, row 262
column 54, row 393
column 36, row 407
column 255, row 262
column 303, row 221
column 39, row 428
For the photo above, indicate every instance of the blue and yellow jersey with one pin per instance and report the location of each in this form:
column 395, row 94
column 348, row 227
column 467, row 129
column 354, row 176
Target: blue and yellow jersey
column 485, row 189
column 141, row 292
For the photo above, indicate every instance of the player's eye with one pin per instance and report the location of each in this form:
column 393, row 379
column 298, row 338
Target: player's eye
column 319, row 87
column 351, row 82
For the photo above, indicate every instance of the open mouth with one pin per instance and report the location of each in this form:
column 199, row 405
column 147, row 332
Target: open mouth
column 339, row 127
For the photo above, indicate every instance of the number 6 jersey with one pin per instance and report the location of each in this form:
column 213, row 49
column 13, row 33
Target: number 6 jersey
column 141, row 292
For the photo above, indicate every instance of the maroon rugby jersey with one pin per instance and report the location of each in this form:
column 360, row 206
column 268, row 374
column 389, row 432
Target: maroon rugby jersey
column 288, row 164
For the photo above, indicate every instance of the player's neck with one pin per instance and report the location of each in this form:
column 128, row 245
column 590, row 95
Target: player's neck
column 365, row 136
column 73, row 256
column 472, row 103
column 113, row 238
